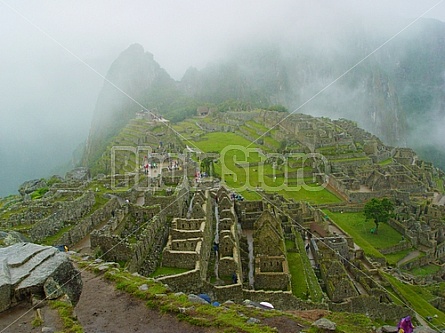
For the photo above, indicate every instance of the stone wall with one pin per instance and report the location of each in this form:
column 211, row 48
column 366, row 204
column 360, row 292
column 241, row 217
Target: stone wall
column 68, row 212
column 272, row 281
column 226, row 266
column 358, row 197
column 372, row 307
column 186, row 247
column 152, row 237
column 282, row 300
column 85, row 226
column 188, row 282
column 418, row 262
column 403, row 245
column 149, row 237
column 31, row 212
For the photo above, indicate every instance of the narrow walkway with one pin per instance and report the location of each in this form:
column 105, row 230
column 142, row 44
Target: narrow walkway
column 249, row 236
column 410, row 256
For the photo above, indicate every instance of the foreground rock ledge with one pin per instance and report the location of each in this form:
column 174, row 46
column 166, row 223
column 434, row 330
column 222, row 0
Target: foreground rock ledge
column 28, row 269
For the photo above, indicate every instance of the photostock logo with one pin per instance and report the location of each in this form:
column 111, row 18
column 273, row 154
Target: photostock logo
column 142, row 168
column 250, row 168
column 241, row 168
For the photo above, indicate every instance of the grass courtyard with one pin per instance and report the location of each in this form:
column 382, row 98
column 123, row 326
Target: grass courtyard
column 359, row 229
column 245, row 168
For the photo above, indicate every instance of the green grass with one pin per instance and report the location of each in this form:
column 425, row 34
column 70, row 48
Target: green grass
column 352, row 322
column 439, row 184
column 258, row 126
column 418, row 297
column 298, row 278
column 358, row 228
column 245, row 180
column 250, row 195
column 355, row 159
column 425, row 270
column 69, row 319
column 37, row 194
column 161, row 271
column 320, row 196
column 394, row 258
column 386, row 162
column 52, row 240
column 217, row 141
column 315, row 292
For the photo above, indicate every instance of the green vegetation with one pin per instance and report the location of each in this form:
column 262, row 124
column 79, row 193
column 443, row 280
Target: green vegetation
column 440, row 184
column 243, row 168
column 37, row 321
column 37, row 194
column 345, row 160
column 359, row 229
column 394, row 258
column 427, row 270
column 69, row 319
column 418, row 298
column 52, row 240
column 386, row 162
column 352, row 322
column 314, row 290
column 318, row 196
column 278, row 108
column 161, row 271
column 298, row 280
column 379, row 210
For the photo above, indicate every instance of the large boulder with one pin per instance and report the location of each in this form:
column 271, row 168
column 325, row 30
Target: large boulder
column 79, row 174
column 28, row 269
column 32, row 185
column 325, row 324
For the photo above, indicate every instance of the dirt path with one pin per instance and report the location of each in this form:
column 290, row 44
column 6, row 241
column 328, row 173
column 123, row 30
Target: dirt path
column 412, row 255
column 101, row 309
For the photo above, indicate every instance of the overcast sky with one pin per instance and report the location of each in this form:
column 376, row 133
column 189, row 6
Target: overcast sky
column 53, row 54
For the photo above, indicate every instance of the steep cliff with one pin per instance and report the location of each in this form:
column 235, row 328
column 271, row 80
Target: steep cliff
column 133, row 78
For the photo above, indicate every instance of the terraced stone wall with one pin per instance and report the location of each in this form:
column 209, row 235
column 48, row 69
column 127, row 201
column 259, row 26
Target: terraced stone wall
column 69, row 211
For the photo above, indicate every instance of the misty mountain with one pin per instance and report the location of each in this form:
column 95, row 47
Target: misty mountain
column 393, row 87
column 130, row 81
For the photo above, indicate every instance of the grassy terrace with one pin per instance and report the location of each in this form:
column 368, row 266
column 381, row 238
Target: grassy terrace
column 247, row 179
column 386, row 162
column 418, row 297
column 345, row 160
column 296, row 266
column 310, row 283
column 258, row 126
column 358, row 228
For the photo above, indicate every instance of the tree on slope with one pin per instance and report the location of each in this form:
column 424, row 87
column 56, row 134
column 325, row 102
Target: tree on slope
column 379, row 210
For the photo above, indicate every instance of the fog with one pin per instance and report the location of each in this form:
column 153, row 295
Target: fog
column 54, row 55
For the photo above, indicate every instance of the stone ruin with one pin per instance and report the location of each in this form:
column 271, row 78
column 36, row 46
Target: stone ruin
column 271, row 266
column 356, row 165
column 224, row 247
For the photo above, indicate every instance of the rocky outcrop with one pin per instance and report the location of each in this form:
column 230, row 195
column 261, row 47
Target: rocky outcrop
column 31, row 186
column 29, row 269
column 325, row 324
column 11, row 237
column 80, row 173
